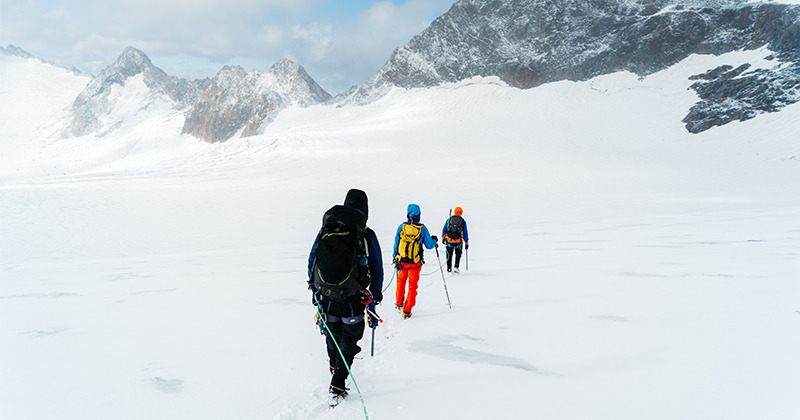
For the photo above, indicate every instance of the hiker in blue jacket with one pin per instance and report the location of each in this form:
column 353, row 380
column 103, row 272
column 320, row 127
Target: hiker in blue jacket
column 407, row 253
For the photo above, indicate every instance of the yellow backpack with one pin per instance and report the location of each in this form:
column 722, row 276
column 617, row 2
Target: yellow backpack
column 409, row 249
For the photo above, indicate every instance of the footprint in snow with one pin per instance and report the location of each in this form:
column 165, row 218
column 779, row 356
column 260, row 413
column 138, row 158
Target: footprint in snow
column 170, row 386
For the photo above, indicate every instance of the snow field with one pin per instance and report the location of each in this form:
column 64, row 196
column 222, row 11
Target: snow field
column 619, row 267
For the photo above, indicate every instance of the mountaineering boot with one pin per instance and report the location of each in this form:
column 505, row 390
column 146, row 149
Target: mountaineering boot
column 406, row 315
column 455, row 270
column 336, row 395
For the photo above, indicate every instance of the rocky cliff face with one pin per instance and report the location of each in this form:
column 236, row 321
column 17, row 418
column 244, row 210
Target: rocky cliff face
column 530, row 42
column 216, row 109
column 236, row 100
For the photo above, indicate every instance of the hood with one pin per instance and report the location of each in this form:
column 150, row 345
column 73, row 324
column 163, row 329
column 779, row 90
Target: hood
column 357, row 199
column 413, row 212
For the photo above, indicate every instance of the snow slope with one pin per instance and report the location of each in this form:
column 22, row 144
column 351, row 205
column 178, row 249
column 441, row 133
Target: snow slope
column 619, row 268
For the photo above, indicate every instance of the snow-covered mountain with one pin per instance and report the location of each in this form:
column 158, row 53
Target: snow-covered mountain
column 94, row 110
column 215, row 109
column 237, row 100
column 527, row 43
column 13, row 50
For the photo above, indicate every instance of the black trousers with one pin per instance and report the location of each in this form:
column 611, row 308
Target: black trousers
column 346, row 331
column 450, row 249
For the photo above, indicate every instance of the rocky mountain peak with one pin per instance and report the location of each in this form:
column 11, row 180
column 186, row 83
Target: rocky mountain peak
column 234, row 100
column 130, row 63
column 95, row 101
column 527, row 43
column 238, row 101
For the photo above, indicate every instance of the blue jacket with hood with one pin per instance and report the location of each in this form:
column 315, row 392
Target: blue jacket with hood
column 413, row 213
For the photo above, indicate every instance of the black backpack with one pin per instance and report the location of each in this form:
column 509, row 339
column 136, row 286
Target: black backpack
column 455, row 226
column 341, row 255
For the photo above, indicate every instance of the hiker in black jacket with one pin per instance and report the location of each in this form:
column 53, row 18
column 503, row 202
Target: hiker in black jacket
column 345, row 317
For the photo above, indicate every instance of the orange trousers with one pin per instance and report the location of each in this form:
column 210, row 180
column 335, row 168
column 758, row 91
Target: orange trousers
column 407, row 273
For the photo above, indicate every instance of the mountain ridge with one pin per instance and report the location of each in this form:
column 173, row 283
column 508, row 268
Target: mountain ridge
column 525, row 43
column 531, row 42
column 216, row 109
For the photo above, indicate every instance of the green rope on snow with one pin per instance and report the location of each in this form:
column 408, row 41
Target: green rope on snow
column 394, row 273
column 435, row 270
column 350, row 372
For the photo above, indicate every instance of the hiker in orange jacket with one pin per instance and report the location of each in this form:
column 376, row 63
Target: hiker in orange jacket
column 408, row 260
column 454, row 233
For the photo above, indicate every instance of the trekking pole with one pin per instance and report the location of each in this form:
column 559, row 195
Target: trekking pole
column 467, row 252
column 443, row 282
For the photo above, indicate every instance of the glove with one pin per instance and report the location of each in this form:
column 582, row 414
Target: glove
column 435, row 238
column 372, row 317
column 366, row 297
column 444, row 240
column 396, row 264
column 466, row 246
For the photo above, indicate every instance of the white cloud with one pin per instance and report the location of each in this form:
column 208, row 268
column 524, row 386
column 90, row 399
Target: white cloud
column 90, row 34
column 358, row 47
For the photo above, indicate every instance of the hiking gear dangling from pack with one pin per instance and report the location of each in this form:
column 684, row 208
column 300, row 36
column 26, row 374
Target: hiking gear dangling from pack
column 372, row 317
column 318, row 321
column 366, row 297
column 341, row 257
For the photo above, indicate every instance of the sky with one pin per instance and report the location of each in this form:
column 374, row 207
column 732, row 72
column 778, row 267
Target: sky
column 339, row 43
